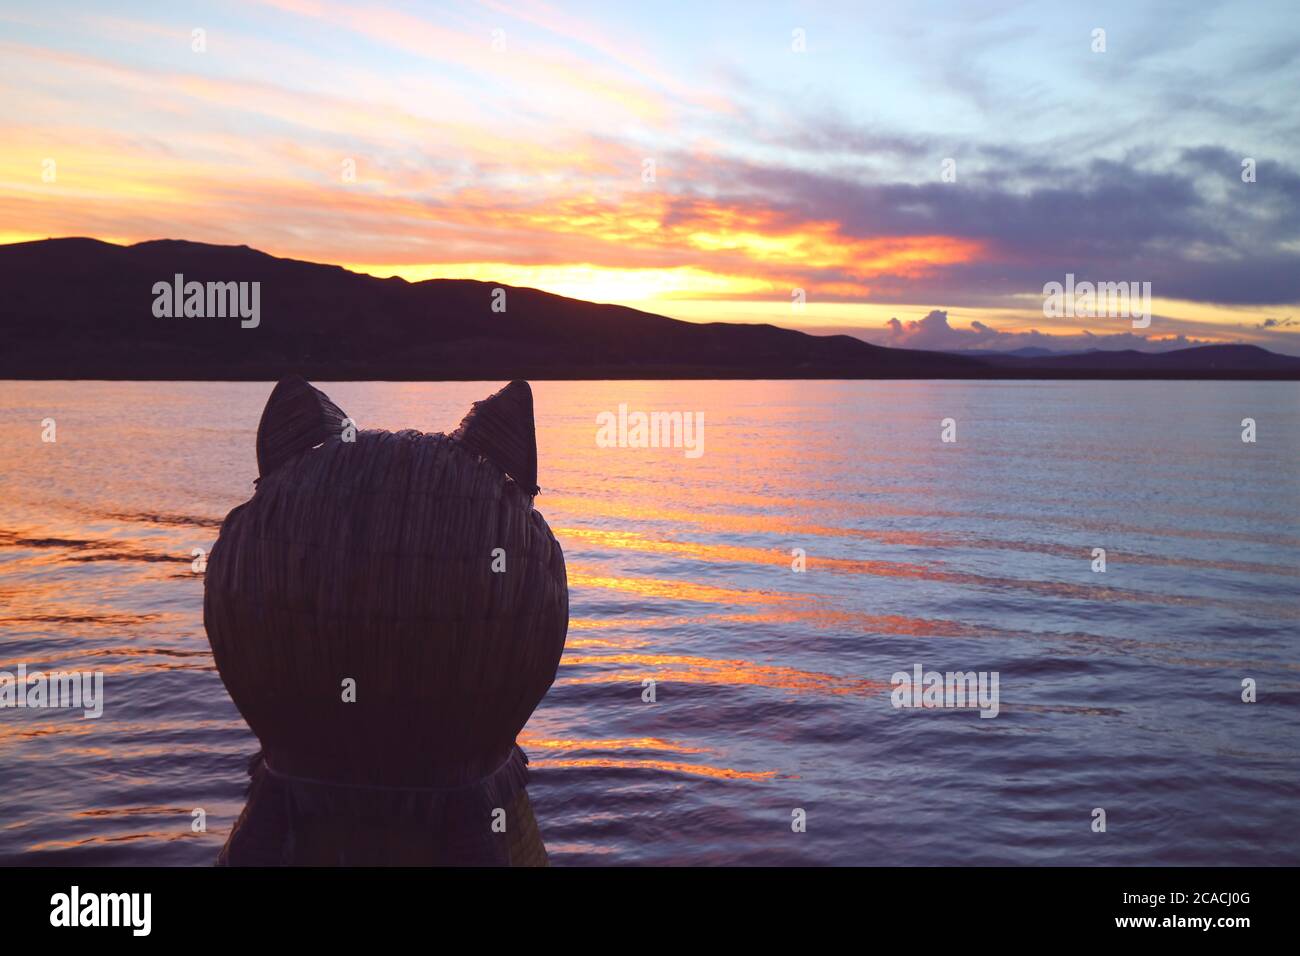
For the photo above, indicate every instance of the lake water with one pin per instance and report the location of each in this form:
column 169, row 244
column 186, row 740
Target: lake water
column 1119, row 690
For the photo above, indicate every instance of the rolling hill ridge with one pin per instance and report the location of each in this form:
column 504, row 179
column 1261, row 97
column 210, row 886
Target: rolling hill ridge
column 83, row 308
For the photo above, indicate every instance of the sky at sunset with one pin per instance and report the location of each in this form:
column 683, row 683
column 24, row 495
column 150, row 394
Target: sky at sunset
column 701, row 160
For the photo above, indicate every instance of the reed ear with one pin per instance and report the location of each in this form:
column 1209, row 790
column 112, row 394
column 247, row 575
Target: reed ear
column 297, row 416
column 501, row 429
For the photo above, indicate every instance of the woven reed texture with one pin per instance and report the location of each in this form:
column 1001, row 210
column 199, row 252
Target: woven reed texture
column 297, row 416
column 372, row 560
column 526, row 846
column 330, row 842
column 274, row 830
column 492, row 429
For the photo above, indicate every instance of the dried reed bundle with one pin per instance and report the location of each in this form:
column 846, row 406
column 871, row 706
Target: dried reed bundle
column 372, row 561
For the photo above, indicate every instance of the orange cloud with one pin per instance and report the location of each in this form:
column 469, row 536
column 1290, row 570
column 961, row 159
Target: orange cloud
column 439, row 190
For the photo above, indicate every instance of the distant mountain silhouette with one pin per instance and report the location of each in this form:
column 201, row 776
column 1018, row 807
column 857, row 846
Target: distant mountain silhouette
column 82, row 308
column 1029, row 351
column 1223, row 358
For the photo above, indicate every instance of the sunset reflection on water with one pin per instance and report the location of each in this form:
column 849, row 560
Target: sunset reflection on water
column 771, row 685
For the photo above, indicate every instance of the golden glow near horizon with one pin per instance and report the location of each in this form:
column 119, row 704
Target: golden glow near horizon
column 698, row 296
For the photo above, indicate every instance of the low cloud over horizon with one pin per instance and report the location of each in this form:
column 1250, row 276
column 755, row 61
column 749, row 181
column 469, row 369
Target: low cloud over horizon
column 934, row 332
